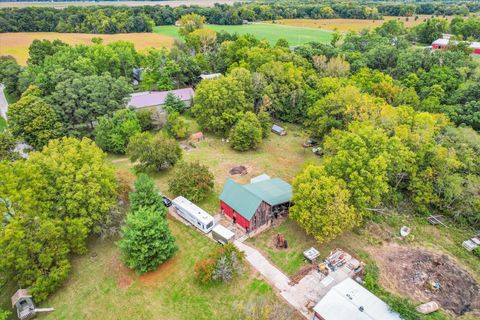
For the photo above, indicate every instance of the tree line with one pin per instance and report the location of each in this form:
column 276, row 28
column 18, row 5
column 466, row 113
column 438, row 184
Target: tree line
column 122, row 19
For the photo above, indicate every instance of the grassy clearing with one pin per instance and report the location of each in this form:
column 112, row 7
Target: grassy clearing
column 277, row 156
column 345, row 25
column 100, row 287
column 16, row 43
column 272, row 32
column 3, row 124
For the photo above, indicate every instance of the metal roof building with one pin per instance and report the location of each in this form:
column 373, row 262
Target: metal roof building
column 349, row 300
column 252, row 204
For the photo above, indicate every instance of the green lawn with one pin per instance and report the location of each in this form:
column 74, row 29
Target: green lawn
column 272, row 32
column 100, row 287
column 277, row 156
column 3, row 124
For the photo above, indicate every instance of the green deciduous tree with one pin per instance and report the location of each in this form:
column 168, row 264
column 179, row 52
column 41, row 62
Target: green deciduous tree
column 191, row 180
column 112, row 133
column 322, row 204
column 147, row 241
column 189, row 23
column 80, row 100
column 247, row 133
column 9, row 74
column 33, row 120
column 219, row 103
column 35, row 252
column 153, row 152
column 176, row 126
column 7, row 147
column 266, row 123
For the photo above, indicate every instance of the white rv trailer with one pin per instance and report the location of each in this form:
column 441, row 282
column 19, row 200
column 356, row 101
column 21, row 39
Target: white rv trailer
column 193, row 214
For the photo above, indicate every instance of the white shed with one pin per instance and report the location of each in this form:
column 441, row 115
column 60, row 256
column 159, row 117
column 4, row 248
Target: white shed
column 348, row 300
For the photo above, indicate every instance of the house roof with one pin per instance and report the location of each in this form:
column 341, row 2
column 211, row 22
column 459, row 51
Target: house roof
column 445, row 42
column 245, row 199
column 153, row 98
column 349, row 300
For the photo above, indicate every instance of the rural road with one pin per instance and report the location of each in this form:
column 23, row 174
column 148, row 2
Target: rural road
column 3, row 102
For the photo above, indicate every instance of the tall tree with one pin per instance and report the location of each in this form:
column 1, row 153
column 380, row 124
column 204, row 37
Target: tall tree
column 145, row 195
column 146, row 241
column 247, row 133
column 113, row 133
column 191, row 180
column 153, row 152
column 33, row 120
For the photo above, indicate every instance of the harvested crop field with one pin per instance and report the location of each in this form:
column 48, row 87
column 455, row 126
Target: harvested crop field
column 16, row 43
column 416, row 270
column 345, row 25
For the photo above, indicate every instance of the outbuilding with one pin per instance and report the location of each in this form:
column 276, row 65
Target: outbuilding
column 254, row 204
column 446, row 42
column 278, row 130
column 349, row 300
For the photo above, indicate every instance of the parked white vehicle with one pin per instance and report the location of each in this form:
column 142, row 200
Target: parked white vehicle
column 193, row 214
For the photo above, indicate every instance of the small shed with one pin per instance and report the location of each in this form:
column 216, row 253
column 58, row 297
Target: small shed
column 197, row 136
column 23, row 302
column 210, row 76
column 278, row 130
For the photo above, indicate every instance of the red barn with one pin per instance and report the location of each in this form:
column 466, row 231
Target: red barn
column 252, row 205
column 444, row 43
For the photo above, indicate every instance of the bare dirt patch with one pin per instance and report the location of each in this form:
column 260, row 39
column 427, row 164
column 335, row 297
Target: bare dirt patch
column 411, row 271
column 122, row 274
column 163, row 272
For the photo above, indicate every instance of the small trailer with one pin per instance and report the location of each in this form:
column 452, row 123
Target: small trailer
column 278, row 130
column 193, row 214
column 222, row 234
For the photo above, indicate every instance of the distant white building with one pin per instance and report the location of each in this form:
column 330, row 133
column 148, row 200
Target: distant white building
column 348, row 300
column 210, row 76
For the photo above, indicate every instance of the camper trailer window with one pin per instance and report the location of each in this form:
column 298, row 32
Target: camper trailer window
column 210, row 225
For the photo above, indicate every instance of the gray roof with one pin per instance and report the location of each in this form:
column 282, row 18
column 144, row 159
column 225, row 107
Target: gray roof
column 154, row 98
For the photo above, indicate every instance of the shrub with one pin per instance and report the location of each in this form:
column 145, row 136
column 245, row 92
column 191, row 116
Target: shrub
column 247, row 133
column 476, row 252
column 265, row 122
column 112, row 133
column 145, row 119
column 153, row 152
column 191, row 180
column 176, row 126
column 221, row 265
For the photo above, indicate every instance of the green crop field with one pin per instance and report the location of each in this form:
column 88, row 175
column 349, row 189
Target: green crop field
column 272, row 32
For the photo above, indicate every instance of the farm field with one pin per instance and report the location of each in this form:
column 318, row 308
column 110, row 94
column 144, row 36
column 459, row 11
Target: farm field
column 294, row 35
column 16, row 43
column 345, row 25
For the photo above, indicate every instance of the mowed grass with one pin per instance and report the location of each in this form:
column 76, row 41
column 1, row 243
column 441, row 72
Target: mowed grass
column 277, row 156
column 101, row 287
column 272, row 32
column 3, row 124
column 16, row 43
column 345, row 25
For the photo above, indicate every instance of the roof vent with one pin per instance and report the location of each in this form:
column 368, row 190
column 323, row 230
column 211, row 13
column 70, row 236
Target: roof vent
column 361, row 309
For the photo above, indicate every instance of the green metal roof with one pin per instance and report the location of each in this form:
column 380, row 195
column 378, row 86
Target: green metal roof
column 245, row 199
column 272, row 191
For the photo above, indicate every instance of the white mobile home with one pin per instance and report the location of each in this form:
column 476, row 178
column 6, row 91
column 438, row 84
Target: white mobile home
column 193, row 214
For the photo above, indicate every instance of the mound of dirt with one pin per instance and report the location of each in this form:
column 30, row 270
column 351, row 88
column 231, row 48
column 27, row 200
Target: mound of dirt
column 242, row 170
column 411, row 272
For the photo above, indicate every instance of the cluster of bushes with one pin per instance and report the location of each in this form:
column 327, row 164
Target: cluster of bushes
column 146, row 241
column 222, row 265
